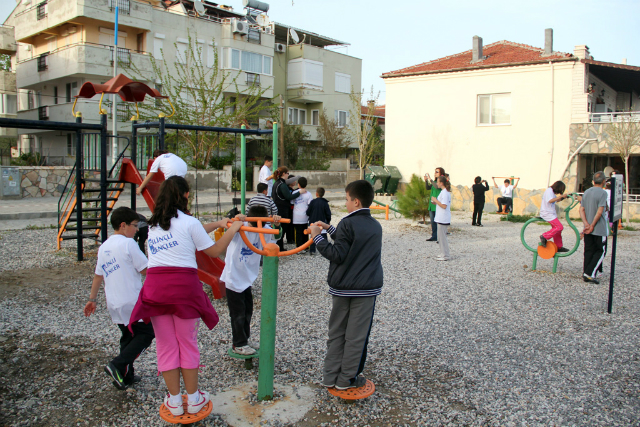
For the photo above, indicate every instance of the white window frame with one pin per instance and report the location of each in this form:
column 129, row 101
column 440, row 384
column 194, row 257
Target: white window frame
column 211, row 54
column 295, row 114
column 491, row 118
column 317, row 114
column 339, row 77
column 181, row 50
column 158, row 45
column 228, row 63
column 346, row 118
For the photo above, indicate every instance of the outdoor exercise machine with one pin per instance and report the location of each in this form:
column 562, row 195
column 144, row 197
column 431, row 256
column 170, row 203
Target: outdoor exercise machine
column 550, row 250
column 386, row 208
column 512, row 180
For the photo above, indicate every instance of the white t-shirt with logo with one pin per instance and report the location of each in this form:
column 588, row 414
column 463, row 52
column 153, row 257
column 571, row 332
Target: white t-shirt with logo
column 170, row 165
column 177, row 246
column 506, row 190
column 548, row 210
column 241, row 264
column 265, row 172
column 443, row 215
column 119, row 263
column 300, row 205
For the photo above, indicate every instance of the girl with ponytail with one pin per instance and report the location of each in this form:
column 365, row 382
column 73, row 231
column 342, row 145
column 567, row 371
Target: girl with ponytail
column 172, row 297
column 443, row 215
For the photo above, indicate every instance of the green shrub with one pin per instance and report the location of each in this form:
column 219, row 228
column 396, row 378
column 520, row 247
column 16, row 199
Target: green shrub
column 219, row 162
column 516, row 218
column 413, row 202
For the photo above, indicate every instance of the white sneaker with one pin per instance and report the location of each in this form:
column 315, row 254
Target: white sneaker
column 245, row 350
column 441, row 258
column 194, row 408
column 176, row 410
column 254, row 345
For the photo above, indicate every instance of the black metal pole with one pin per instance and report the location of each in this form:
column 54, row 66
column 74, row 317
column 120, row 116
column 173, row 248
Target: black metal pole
column 134, row 159
column 103, row 177
column 79, row 181
column 161, row 134
column 613, row 265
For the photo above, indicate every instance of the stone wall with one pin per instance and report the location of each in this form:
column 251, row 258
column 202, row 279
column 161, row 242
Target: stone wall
column 326, row 179
column 43, row 181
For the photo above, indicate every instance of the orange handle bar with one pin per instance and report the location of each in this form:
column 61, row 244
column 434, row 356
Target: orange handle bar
column 262, row 219
column 262, row 232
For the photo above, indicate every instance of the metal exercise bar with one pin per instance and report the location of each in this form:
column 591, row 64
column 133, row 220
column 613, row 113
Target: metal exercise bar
column 47, row 125
column 149, row 125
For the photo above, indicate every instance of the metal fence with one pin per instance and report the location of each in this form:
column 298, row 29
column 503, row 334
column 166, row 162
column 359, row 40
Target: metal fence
column 124, row 6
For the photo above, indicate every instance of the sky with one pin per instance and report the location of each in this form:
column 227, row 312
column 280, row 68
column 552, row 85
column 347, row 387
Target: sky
column 389, row 35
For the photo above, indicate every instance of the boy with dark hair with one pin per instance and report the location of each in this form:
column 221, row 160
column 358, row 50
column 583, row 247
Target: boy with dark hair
column 355, row 279
column 240, row 271
column 262, row 199
column 265, row 176
column 300, row 219
column 318, row 210
column 478, row 199
column 120, row 264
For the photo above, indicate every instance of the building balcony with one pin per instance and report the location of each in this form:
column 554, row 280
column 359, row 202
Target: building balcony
column 7, row 82
column 78, row 59
column 305, row 95
column 614, row 117
column 45, row 16
column 63, row 113
column 7, row 40
column 246, row 80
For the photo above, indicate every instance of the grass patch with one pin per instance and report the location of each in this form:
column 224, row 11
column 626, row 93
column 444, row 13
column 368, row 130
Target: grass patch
column 41, row 227
column 517, row 218
column 627, row 228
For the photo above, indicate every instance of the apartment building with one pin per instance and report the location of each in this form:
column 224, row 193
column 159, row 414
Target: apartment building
column 8, row 90
column 65, row 43
column 508, row 109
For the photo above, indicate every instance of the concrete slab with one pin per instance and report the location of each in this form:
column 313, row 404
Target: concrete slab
column 240, row 407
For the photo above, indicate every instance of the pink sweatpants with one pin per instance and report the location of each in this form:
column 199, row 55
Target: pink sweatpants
column 176, row 342
column 555, row 233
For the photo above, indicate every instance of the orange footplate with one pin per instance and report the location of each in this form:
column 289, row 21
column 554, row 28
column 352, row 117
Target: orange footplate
column 185, row 418
column 548, row 251
column 355, row 393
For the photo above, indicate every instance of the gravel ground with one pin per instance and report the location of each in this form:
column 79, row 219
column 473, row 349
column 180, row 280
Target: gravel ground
column 478, row 340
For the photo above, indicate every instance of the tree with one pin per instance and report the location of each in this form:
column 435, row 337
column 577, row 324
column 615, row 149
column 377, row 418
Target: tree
column 202, row 96
column 413, row 202
column 294, row 137
column 362, row 128
column 624, row 137
column 334, row 139
column 5, row 62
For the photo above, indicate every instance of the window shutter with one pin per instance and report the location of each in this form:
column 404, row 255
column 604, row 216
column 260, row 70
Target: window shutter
column 210, row 55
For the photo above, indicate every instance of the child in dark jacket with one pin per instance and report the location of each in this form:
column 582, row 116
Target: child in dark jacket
column 355, row 280
column 318, row 210
column 478, row 199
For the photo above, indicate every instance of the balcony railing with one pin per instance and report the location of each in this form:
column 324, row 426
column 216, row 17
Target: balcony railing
column 124, row 6
column 613, row 117
column 42, row 62
column 253, row 79
column 41, row 12
column 43, row 113
column 123, row 56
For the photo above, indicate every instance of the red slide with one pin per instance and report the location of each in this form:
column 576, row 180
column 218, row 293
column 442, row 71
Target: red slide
column 209, row 269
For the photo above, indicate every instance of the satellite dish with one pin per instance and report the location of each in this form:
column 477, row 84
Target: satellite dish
column 294, row 35
column 199, row 7
column 607, row 171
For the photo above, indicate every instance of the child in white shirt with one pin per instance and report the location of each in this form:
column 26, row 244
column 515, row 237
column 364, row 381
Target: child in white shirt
column 167, row 163
column 240, row 271
column 443, row 216
column 120, row 264
column 548, row 213
column 300, row 218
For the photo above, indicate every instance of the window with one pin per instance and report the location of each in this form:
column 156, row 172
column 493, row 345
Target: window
column 140, row 43
column 341, row 118
column 31, row 100
column 68, row 92
column 211, row 56
column 158, row 42
column 494, row 109
column 8, row 103
column 41, row 11
column 305, row 73
column 181, row 53
column 55, row 94
column 343, row 83
column 124, row 6
column 246, row 61
column 105, row 37
column 42, row 62
column 297, row 116
column 71, row 146
column 253, row 79
column 315, row 117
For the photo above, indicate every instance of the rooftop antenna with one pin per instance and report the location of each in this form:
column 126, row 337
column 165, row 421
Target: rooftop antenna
column 294, row 36
column 198, row 6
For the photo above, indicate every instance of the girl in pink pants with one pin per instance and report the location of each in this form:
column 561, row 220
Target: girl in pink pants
column 548, row 213
column 172, row 297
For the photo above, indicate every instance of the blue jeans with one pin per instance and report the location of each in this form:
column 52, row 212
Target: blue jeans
column 434, row 225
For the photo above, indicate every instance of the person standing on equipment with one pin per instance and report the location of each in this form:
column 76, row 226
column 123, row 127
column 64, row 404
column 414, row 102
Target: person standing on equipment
column 548, row 213
column 592, row 212
column 168, row 163
column 435, row 191
column 355, row 280
column 266, row 177
column 507, row 195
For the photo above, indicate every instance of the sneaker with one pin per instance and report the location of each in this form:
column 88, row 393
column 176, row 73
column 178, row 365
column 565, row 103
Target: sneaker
column 129, row 381
column 194, row 408
column 254, row 345
column 304, row 251
column 358, row 382
column 543, row 240
column 245, row 350
column 590, row 279
column 598, row 274
column 563, row 249
column 473, row 223
column 113, row 372
column 480, row 225
column 330, row 385
column 441, row 258
column 431, row 239
column 176, row 410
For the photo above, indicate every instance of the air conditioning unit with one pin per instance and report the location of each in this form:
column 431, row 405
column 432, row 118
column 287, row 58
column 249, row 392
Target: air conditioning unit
column 280, row 47
column 239, row 27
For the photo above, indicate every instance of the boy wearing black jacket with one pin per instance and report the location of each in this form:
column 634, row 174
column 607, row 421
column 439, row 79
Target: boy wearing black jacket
column 478, row 199
column 355, row 280
column 318, row 210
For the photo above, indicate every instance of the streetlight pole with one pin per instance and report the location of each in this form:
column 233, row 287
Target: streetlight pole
column 114, row 112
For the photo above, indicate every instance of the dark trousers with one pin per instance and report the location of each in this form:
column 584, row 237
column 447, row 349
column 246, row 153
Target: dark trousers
column 606, row 244
column 593, row 253
column 349, row 329
column 240, row 310
column 301, row 238
column 141, row 237
column 506, row 201
column 132, row 346
column 477, row 212
column 434, row 225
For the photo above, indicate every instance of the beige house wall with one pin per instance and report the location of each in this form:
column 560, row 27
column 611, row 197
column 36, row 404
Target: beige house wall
column 432, row 121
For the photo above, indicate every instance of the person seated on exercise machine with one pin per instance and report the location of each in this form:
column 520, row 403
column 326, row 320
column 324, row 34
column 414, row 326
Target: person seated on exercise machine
column 507, row 195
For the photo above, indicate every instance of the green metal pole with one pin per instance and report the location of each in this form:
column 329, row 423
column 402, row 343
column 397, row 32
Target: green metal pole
column 535, row 262
column 275, row 148
column 243, row 170
column 268, row 326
